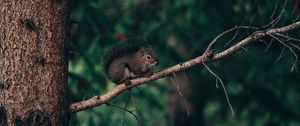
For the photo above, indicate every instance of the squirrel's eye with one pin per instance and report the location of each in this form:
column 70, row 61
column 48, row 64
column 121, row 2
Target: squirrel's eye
column 148, row 57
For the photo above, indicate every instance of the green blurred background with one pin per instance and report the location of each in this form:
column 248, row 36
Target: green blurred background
column 262, row 89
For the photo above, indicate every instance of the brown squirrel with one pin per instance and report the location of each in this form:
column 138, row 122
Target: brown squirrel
column 129, row 60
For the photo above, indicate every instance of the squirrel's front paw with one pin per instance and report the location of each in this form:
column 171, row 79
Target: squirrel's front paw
column 148, row 74
column 127, row 82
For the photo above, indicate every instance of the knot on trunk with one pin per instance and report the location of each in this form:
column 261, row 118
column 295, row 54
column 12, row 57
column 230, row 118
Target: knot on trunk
column 4, row 86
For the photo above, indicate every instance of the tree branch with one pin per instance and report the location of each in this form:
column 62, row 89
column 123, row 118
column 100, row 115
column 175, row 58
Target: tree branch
column 207, row 56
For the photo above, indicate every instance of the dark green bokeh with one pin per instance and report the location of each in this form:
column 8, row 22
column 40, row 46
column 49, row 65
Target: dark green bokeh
column 263, row 91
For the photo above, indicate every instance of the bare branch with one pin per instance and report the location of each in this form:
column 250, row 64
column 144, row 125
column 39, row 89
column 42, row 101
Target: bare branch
column 226, row 32
column 218, row 79
column 255, row 36
column 205, row 57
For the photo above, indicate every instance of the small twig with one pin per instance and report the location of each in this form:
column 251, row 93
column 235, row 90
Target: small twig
column 288, row 38
column 295, row 7
column 284, row 45
column 121, row 108
column 281, row 53
column 136, row 107
column 223, row 86
column 296, row 46
column 150, row 100
column 277, row 19
column 263, row 41
column 269, row 45
column 255, row 15
column 236, row 33
column 125, row 107
column 176, row 85
column 275, row 9
column 292, row 51
column 188, row 75
column 245, row 49
column 296, row 19
column 225, row 32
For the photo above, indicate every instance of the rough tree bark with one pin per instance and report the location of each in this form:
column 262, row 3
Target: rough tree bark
column 33, row 61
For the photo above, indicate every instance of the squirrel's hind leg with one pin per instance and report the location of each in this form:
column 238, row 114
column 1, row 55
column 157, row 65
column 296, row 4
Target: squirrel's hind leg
column 127, row 76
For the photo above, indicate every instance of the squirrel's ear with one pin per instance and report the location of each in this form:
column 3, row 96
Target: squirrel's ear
column 142, row 49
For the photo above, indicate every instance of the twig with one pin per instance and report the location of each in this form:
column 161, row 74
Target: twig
column 263, row 41
column 126, row 104
column 176, row 85
column 282, row 51
column 297, row 17
column 269, row 45
column 295, row 7
column 288, row 38
column 245, row 49
column 225, row 32
column 280, row 15
column 255, row 15
column 223, row 86
column 275, row 9
column 124, row 109
column 236, row 33
column 293, row 52
column 296, row 46
column 149, row 99
column 277, row 19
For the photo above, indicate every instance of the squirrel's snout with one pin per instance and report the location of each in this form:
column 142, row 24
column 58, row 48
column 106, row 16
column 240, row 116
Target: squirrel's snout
column 155, row 63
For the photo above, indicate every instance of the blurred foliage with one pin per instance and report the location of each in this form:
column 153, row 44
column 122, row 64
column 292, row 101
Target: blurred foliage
column 263, row 91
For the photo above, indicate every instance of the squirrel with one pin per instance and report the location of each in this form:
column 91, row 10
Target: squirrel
column 129, row 60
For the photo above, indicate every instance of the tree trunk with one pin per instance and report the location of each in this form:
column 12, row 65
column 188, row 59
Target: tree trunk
column 33, row 62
